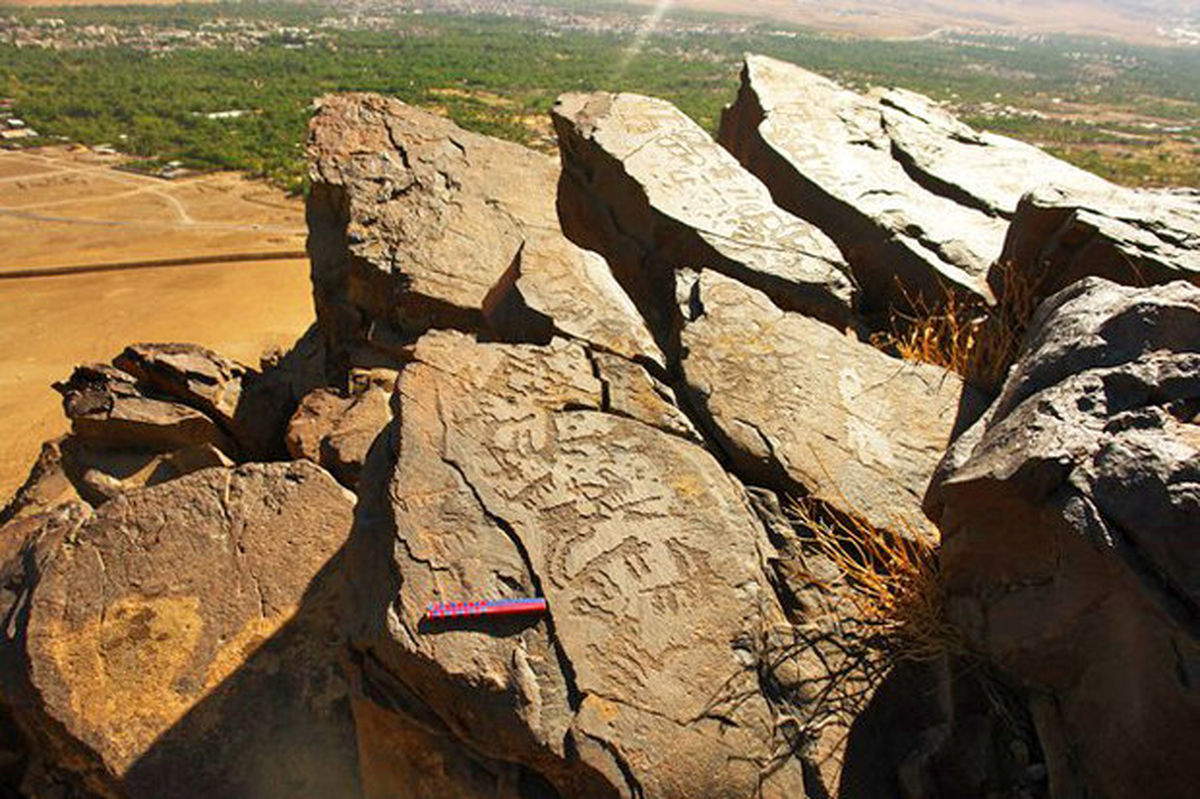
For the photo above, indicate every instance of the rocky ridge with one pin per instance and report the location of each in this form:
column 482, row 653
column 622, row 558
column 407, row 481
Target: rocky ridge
column 604, row 382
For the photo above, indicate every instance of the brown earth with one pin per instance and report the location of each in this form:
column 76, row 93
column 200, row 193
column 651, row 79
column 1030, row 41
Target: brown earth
column 71, row 208
column 917, row 18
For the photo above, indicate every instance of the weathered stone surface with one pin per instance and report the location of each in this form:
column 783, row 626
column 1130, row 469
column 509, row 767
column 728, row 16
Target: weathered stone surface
column 649, row 189
column 826, row 155
column 100, row 473
column 510, row 480
column 977, row 169
column 415, row 224
column 809, row 411
column 251, row 408
column 180, row 641
column 1128, row 237
column 555, row 287
column 106, row 406
column 629, row 390
column 1069, row 522
column 337, row 431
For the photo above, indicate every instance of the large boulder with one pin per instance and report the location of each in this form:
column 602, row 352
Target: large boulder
column 809, row 411
column 182, row 640
column 1069, row 525
column 1129, row 237
column 647, row 187
column 510, row 478
column 415, row 224
column 826, row 155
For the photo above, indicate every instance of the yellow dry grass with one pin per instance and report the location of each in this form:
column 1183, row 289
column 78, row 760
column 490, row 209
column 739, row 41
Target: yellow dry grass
column 892, row 580
column 966, row 336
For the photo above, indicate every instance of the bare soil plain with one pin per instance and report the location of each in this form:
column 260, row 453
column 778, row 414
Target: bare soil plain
column 243, row 287
column 918, row 18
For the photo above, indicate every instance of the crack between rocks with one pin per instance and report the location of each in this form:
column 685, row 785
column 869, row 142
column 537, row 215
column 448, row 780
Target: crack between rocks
column 942, row 188
column 635, row 786
column 574, row 697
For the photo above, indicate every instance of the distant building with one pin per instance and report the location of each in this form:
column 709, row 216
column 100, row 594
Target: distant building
column 18, row 133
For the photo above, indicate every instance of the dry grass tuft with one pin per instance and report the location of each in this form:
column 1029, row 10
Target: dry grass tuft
column 965, row 335
column 892, row 580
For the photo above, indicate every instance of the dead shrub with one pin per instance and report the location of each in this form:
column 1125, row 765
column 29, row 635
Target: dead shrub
column 965, row 335
column 892, row 580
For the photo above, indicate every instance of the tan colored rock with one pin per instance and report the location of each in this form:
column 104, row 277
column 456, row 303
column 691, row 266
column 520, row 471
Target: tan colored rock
column 337, row 432
column 181, row 640
column 809, row 411
column 826, row 155
column 629, row 390
column 510, row 480
column 418, row 224
column 651, row 191
column 975, row 168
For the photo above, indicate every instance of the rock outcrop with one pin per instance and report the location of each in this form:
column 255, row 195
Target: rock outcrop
column 415, row 224
column 511, row 480
column 809, row 411
column 1133, row 238
column 645, row 186
column 608, row 399
column 827, row 155
column 181, row 640
column 1069, row 522
column 251, row 408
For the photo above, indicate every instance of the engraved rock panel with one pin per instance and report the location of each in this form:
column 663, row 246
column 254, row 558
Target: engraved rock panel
column 804, row 409
column 181, row 640
column 649, row 189
column 512, row 480
column 415, row 224
column 826, row 155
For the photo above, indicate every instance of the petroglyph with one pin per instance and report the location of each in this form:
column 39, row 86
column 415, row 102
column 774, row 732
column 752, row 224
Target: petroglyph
column 683, row 201
column 644, row 547
column 805, row 409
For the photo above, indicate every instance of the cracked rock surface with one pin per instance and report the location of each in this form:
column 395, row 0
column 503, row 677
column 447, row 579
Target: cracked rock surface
column 511, row 480
column 415, row 223
column 674, row 199
column 1133, row 238
column 1069, row 522
column 836, row 420
column 826, row 154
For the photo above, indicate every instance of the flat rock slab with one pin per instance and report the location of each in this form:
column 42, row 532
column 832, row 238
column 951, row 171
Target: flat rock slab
column 1133, row 238
column 684, row 202
column 252, row 408
column 1069, row 534
column 511, row 480
column 180, row 641
column 418, row 224
column 826, row 155
column 806, row 410
column 984, row 170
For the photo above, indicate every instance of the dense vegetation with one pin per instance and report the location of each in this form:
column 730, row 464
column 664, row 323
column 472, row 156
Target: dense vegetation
column 499, row 75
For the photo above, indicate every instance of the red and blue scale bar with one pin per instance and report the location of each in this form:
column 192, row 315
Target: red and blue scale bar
column 492, row 607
